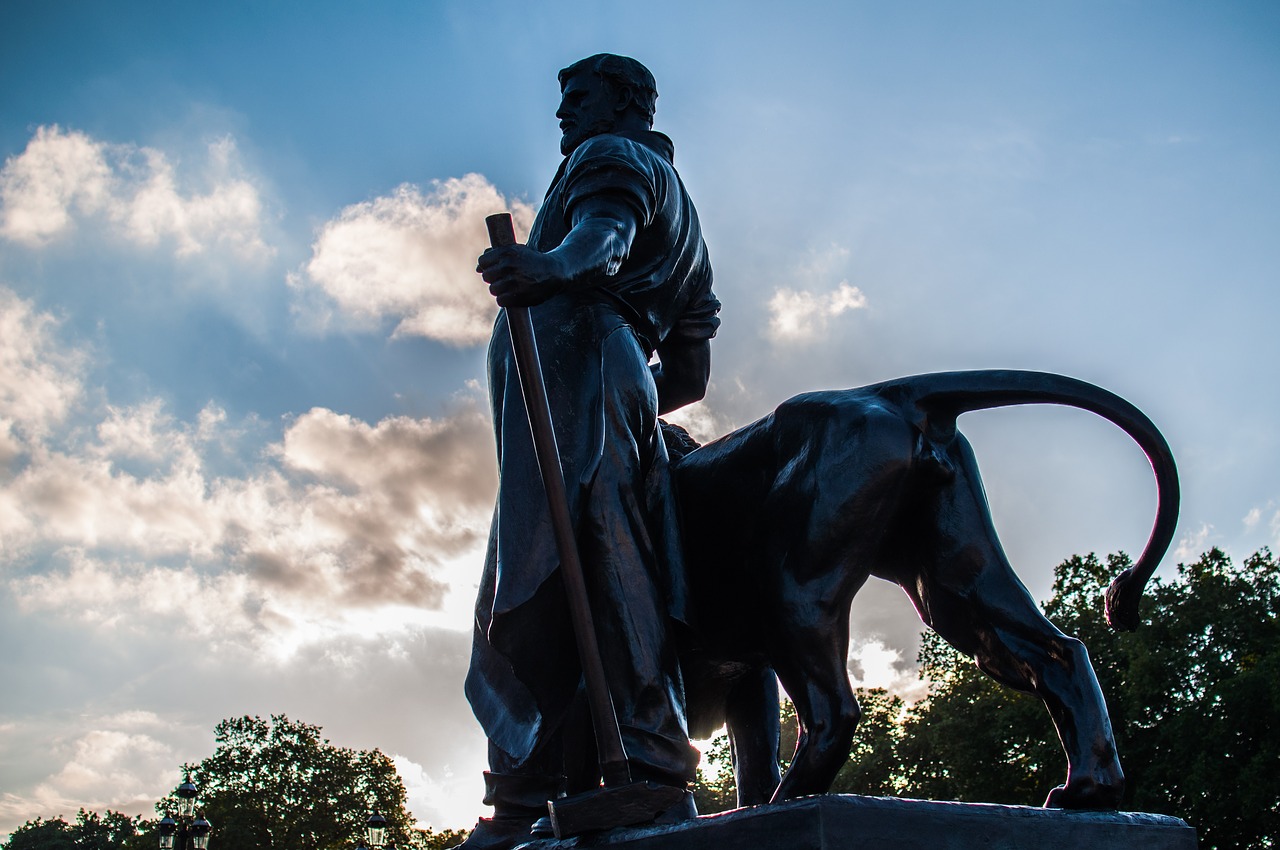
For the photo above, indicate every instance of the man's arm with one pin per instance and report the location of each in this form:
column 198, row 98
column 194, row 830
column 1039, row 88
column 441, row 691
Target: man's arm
column 600, row 239
column 682, row 372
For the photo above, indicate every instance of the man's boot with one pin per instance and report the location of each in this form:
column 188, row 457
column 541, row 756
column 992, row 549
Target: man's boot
column 518, row 801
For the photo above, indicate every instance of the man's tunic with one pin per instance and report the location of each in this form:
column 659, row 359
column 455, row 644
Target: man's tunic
column 595, row 344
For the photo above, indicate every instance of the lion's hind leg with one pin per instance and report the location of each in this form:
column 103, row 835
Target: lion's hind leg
column 751, row 715
column 1004, row 631
column 968, row 593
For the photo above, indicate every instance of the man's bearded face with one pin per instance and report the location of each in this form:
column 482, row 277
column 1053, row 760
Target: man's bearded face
column 588, row 107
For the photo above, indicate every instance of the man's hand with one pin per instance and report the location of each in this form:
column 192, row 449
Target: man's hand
column 519, row 276
column 602, row 233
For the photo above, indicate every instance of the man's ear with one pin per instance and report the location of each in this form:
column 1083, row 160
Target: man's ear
column 622, row 99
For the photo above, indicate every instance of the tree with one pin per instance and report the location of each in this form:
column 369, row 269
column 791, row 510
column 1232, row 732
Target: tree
column 279, row 785
column 713, row 788
column 274, row 784
column 873, row 765
column 111, row 831
column 973, row 740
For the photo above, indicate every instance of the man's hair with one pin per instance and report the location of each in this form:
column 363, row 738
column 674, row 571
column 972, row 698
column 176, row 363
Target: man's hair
column 621, row 72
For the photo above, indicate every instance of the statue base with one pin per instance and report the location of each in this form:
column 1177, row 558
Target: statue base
column 846, row 822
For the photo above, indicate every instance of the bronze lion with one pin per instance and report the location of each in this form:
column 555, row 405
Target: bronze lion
column 786, row 518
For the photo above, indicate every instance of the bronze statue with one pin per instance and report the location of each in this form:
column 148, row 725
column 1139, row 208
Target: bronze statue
column 615, row 270
column 785, row 519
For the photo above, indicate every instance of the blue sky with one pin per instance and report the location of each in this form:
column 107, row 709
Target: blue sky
column 244, row 457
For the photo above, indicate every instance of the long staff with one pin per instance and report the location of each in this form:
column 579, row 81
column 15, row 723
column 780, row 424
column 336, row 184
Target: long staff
column 613, row 758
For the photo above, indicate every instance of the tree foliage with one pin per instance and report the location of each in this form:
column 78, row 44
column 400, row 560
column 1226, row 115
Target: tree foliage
column 111, row 831
column 443, row 839
column 279, row 785
column 1194, row 696
column 272, row 784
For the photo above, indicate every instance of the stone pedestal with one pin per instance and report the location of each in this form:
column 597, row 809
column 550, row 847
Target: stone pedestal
column 848, row 822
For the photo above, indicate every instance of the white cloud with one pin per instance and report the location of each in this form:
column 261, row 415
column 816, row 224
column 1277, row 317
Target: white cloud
column 99, row 760
column 411, row 257
column 355, row 514
column 100, row 768
column 63, row 177
column 1194, row 543
column 440, row 801
column 702, row 423
column 117, row 596
column 1268, row 512
column 805, row 316
column 337, row 514
column 875, row 664
column 38, row 381
column 57, row 175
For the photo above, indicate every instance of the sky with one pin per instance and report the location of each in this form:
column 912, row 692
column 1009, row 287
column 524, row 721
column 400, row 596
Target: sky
column 245, row 457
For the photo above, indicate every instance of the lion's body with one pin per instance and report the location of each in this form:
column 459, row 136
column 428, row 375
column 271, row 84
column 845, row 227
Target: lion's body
column 785, row 519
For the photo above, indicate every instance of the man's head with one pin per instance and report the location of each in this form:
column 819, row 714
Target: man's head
column 603, row 94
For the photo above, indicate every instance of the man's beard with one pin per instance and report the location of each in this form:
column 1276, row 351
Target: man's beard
column 579, row 133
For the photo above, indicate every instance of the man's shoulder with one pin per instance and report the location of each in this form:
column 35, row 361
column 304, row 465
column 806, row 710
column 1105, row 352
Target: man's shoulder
column 609, row 162
column 608, row 146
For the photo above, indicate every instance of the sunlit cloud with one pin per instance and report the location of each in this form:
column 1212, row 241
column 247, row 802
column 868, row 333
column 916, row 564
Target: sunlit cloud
column 700, row 420
column 336, row 513
column 101, row 764
column 805, row 316
column 407, row 257
column 434, row 797
column 875, row 664
column 39, row 380
column 66, row 178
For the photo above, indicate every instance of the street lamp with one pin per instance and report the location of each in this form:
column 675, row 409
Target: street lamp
column 189, row 825
column 375, row 828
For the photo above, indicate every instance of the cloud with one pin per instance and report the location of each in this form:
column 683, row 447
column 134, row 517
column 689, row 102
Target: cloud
column 875, row 664
column 1254, row 518
column 702, row 422
column 435, row 799
column 120, row 745
column 105, row 763
column 39, row 382
column 66, row 177
column 336, row 513
column 805, row 316
column 410, row 257
column 354, row 514
column 1194, row 543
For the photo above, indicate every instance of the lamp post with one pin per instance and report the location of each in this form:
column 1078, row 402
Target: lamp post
column 188, row 827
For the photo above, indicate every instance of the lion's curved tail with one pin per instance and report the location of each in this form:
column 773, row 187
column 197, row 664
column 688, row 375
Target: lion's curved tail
column 939, row 398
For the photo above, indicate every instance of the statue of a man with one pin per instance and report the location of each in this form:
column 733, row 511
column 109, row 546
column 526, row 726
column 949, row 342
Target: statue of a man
column 615, row 270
